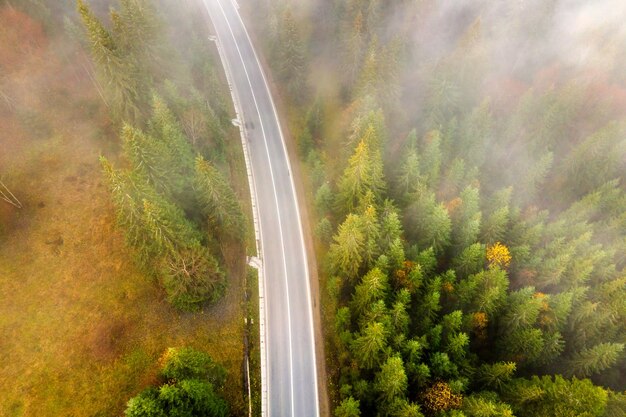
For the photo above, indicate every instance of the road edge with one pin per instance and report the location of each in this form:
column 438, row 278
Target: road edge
column 253, row 262
column 295, row 162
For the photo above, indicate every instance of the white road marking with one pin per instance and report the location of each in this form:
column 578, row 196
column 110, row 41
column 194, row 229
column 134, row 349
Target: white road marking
column 275, row 195
column 301, row 233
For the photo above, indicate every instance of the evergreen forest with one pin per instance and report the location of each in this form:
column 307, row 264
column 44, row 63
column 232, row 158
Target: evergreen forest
column 176, row 208
column 464, row 170
column 466, row 167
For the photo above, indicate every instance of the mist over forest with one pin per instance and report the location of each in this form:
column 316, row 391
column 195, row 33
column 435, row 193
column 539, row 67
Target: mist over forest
column 467, row 163
column 464, row 171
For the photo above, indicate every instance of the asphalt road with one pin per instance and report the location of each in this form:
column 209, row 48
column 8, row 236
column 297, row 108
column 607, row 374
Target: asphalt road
column 290, row 375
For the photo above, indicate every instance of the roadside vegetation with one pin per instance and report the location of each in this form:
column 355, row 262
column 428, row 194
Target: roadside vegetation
column 469, row 203
column 132, row 237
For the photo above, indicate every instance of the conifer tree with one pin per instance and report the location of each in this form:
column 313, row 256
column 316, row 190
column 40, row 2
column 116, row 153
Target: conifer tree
column 485, row 404
column 191, row 277
column 369, row 77
column 164, row 126
column 369, row 346
column 219, row 202
column 484, row 291
column 466, row 219
column 363, row 174
column 399, row 315
column 290, row 55
column 470, row 261
column 354, row 48
column 373, row 287
column 548, row 397
column 348, row 408
column 391, row 382
column 430, row 158
column 346, row 252
column 594, row 360
column 409, row 173
column 496, row 217
column 126, row 84
column 495, row 376
column 152, row 159
column 139, row 31
column 426, row 222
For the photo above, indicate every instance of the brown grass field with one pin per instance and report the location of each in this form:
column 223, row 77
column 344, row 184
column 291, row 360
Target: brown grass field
column 81, row 329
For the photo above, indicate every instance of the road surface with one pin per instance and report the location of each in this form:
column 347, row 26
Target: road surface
column 289, row 371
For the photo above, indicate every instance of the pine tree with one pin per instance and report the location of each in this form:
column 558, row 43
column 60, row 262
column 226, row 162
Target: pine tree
column 127, row 85
column 191, row 277
column 466, row 219
column 152, row 225
column 470, row 261
column 596, row 160
column 485, row 404
column 139, row 31
column 409, row 173
column 457, row 346
column 164, row 126
column 323, row 199
column 373, row 287
column 346, row 253
column 368, row 347
column 390, row 226
column 369, row 76
column 595, row 359
column 391, row 382
column 348, row 408
column 484, row 291
column 476, row 135
column 400, row 318
column 152, row 159
column 290, row 55
column 430, row 158
column 363, row 174
column 166, row 228
column 523, row 346
column 496, row 217
column 371, row 230
column 324, row 230
column 616, row 405
column 547, row 397
column 426, row 222
column 400, row 407
column 429, row 304
column 495, row 376
column 219, row 202
column 353, row 46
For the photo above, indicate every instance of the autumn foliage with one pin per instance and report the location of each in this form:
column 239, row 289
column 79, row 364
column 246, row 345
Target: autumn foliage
column 440, row 397
column 498, row 255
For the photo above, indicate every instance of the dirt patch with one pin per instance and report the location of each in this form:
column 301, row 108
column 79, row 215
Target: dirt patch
column 105, row 341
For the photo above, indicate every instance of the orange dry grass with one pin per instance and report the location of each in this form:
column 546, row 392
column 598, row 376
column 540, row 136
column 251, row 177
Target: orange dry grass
column 81, row 328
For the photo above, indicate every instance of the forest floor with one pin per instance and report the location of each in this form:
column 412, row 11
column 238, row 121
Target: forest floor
column 81, row 327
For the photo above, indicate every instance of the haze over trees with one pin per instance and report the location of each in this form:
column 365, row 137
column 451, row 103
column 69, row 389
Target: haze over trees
column 473, row 221
column 92, row 305
column 176, row 208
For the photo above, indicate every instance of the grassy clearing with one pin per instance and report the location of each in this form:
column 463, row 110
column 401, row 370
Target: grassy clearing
column 81, row 328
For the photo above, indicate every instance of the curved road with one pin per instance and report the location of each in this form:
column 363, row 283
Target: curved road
column 288, row 366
